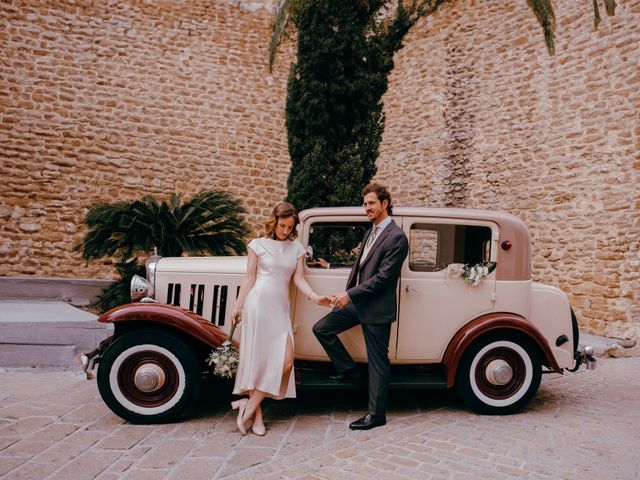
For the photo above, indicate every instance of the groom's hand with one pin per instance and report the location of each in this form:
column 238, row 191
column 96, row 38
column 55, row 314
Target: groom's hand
column 341, row 300
column 325, row 300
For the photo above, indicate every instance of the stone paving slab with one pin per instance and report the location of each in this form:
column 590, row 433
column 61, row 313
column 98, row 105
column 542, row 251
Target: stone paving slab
column 54, row 425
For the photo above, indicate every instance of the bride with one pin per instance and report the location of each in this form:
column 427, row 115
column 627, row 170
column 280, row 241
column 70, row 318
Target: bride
column 265, row 368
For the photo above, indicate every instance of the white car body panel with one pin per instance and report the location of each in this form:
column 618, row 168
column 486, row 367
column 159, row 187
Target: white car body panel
column 433, row 306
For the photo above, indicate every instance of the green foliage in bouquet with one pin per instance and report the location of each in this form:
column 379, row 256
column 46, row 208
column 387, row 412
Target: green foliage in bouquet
column 224, row 359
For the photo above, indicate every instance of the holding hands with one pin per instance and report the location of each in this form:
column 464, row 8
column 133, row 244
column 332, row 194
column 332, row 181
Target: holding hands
column 339, row 300
column 324, row 300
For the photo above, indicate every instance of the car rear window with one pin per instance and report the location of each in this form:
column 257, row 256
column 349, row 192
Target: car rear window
column 433, row 246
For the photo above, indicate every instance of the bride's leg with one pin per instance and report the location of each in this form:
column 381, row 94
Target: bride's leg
column 288, row 365
column 258, row 423
column 257, row 417
column 256, row 396
column 255, row 399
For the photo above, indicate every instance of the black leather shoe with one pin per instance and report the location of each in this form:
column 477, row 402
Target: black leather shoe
column 368, row 422
column 350, row 376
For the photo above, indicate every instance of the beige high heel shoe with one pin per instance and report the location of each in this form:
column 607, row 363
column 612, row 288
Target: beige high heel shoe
column 261, row 432
column 258, row 429
column 240, row 405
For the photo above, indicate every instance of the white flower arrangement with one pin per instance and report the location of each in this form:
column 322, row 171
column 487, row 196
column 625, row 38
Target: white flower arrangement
column 472, row 275
column 224, row 359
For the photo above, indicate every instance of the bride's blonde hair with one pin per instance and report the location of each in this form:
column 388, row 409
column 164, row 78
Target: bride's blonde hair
column 282, row 210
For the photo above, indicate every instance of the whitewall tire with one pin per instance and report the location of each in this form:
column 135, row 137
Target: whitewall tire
column 499, row 374
column 149, row 377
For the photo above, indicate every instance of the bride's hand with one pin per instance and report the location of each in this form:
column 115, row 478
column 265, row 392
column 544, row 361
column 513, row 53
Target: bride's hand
column 237, row 315
column 324, row 300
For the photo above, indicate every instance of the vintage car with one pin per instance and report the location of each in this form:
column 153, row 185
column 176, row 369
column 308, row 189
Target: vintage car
column 469, row 316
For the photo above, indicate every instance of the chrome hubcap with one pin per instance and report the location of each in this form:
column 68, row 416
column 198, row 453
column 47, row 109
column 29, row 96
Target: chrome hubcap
column 499, row 372
column 149, row 377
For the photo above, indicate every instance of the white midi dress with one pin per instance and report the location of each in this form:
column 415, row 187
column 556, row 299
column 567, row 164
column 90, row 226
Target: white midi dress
column 266, row 320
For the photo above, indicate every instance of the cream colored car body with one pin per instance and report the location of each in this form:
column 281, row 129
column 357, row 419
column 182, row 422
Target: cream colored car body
column 433, row 306
column 491, row 339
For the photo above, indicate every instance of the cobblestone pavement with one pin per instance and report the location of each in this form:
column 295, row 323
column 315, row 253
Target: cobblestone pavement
column 53, row 425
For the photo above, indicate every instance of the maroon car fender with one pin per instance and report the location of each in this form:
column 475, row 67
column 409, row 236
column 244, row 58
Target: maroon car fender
column 183, row 320
column 481, row 325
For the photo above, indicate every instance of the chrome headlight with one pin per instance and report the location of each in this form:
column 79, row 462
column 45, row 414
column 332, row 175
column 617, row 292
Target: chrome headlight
column 140, row 288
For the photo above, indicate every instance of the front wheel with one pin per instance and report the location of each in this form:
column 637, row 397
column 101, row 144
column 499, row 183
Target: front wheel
column 149, row 377
column 499, row 375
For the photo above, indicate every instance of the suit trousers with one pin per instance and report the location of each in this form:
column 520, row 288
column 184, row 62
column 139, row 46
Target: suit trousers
column 376, row 337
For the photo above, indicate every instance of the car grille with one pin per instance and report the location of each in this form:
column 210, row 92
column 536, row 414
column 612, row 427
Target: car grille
column 197, row 295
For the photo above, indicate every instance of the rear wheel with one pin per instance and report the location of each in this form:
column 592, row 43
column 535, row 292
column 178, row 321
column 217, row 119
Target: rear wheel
column 149, row 377
column 499, row 374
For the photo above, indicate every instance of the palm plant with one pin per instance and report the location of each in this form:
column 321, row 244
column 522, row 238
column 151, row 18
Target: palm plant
column 542, row 9
column 210, row 223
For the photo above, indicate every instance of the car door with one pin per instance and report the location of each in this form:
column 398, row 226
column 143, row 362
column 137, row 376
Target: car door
column 434, row 303
column 332, row 244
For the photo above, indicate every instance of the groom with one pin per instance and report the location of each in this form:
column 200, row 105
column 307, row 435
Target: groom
column 370, row 301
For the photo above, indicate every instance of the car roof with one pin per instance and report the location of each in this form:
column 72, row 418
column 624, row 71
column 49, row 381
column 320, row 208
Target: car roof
column 438, row 212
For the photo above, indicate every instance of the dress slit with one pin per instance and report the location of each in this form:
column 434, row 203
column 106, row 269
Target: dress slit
column 284, row 384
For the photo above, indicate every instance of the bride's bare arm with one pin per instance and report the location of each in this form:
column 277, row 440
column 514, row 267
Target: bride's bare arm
column 247, row 283
column 305, row 288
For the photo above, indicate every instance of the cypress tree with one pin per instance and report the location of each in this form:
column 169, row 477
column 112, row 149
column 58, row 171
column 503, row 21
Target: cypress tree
column 334, row 105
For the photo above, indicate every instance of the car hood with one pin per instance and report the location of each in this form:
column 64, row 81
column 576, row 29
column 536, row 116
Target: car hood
column 230, row 265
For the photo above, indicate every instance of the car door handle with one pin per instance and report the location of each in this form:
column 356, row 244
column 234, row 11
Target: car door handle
column 409, row 289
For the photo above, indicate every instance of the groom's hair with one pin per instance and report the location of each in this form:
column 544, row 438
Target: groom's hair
column 381, row 192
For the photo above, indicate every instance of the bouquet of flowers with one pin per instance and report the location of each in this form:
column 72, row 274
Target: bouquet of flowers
column 471, row 274
column 224, row 359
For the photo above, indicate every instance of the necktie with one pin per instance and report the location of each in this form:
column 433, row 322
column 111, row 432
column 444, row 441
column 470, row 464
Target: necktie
column 369, row 244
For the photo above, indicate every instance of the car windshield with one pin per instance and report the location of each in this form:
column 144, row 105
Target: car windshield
column 335, row 244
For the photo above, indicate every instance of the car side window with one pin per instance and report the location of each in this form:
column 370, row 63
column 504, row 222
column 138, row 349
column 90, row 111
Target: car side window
column 334, row 244
column 433, row 246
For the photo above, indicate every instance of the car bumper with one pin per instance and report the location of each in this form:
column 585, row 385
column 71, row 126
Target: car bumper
column 584, row 355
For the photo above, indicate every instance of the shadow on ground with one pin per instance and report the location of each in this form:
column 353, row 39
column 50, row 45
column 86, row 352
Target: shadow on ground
column 215, row 397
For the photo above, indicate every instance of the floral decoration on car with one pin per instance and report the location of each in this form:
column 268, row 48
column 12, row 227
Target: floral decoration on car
column 472, row 275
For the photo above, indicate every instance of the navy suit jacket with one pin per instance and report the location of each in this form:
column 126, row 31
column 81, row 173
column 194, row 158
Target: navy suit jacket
column 375, row 296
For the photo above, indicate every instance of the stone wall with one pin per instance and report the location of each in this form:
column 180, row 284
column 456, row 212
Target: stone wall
column 480, row 115
column 109, row 100
column 112, row 100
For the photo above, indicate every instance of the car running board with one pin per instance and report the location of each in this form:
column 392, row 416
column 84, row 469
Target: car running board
column 400, row 379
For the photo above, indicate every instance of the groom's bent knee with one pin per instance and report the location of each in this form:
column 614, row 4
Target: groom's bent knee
column 317, row 329
column 322, row 328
